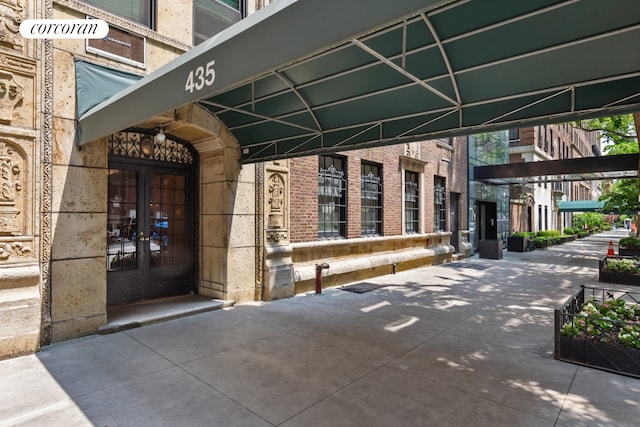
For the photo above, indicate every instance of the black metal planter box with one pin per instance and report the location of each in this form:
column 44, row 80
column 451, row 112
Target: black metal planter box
column 618, row 277
column 517, row 244
column 633, row 252
column 611, row 357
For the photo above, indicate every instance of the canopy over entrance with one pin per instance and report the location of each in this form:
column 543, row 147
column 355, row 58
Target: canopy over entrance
column 580, row 206
column 306, row 77
column 579, row 169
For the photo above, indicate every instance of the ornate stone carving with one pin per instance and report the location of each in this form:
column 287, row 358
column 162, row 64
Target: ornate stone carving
column 14, row 249
column 259, row 221
column 10, row 96
column 11, row 198
column 17, row 64
column 276, row 187
column 277, row 236
column 11, row 15
column 412, row 149
column 47, row 182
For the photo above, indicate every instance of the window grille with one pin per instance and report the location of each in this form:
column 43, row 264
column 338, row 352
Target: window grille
column 332, row 205
column 371, row 201
column 440, row 211
column 411, row 203
column 135, row 144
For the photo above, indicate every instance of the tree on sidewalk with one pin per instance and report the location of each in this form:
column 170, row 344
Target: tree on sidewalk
column 621, row 133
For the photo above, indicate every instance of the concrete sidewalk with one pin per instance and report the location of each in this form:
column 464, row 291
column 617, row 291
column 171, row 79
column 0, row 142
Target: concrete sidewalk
column 467, row 343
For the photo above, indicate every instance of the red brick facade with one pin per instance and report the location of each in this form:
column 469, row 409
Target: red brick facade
column 432, row 158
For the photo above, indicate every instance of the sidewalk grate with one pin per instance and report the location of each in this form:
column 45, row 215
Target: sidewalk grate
column 361, row 288
column 467, row 265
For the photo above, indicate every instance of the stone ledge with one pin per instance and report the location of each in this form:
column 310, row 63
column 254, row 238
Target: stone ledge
column 136, row 315
column 343, row 271
column 326, row 250
column 19, row 276
column 307, row 271
column 20, row 310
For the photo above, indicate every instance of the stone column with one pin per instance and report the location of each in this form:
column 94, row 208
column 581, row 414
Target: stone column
column 20, row 293
column 228, row 252
column 278, row 263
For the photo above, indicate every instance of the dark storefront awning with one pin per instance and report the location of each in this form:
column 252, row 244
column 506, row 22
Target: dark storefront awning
column 579, row 169
column 305, row 77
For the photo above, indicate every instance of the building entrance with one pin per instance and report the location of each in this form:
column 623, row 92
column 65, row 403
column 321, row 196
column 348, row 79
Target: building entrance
column 150, row 229
column 486, row 222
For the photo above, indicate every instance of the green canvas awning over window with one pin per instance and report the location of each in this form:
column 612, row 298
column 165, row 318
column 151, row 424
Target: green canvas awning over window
column 580, row 206
column 97, row 83
column 307, row 77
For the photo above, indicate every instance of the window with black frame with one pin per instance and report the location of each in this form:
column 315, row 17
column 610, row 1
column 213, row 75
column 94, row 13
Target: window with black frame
column 514, row 137
column 140, row 11
column 212, row 16
column 371, row 200
column 439, row 208
column 332, row 198
column 411, row 203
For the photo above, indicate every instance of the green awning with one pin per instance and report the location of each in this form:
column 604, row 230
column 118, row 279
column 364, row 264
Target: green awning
column 580, row 206
column 306, row 77
column 97, row 83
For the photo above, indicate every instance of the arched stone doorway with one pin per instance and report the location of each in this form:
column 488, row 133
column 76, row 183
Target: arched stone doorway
column 152, row 227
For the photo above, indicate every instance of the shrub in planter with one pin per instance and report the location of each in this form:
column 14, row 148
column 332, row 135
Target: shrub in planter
column 624, row 265
column 629, row 246
column 603, row 334
column 548, row 233
column 625, row 271
column 613, row 321
column 542, row 242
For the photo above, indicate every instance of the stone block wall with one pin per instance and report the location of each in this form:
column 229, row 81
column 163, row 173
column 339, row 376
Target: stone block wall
column 75, row 219
column 227, row 215
column 20, row 272
column 351, row 260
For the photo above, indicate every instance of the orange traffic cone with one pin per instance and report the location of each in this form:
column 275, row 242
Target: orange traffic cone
column 610, row 251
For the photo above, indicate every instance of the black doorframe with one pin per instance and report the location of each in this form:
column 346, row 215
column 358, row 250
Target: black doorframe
column 144, row 281
column 454, row 207
column 487, row 221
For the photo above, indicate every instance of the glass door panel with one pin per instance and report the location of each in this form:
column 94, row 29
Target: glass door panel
column 122, row 248
column 167, row 210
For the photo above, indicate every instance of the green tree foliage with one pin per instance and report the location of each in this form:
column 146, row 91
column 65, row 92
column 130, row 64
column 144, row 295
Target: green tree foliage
column 621, row 135
column 622, row 197
column 618, row 131
column 588, row 220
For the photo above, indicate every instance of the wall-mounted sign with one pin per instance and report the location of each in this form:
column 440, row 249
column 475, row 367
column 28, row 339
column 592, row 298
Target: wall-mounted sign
column 122, row 46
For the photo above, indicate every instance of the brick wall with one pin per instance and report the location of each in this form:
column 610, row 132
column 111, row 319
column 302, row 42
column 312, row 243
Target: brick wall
column 303, row 178
column 439, row 160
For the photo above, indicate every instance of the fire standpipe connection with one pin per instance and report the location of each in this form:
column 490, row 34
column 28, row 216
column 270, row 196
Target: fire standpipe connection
column 319, row 268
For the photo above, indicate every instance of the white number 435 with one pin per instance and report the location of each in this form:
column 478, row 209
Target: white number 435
column 200, row 77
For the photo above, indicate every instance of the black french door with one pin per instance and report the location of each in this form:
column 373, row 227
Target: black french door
column 149, row 233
